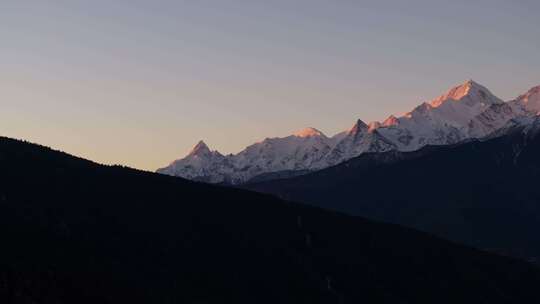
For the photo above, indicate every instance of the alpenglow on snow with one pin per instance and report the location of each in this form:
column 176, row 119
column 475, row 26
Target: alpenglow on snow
column 466, row 111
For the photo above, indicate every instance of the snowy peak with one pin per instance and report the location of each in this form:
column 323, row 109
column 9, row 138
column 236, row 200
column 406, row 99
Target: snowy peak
column 309, row 132
column 200, row 149
column 466, row 111
column 531, row 100
column 201, row 164
column 359, row 127
column 469, row 92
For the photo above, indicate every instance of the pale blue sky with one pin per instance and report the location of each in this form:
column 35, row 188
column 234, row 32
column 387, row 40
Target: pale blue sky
column 140, row 82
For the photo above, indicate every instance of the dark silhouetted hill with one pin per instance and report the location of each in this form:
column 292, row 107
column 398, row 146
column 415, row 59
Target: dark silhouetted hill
column 72, row 231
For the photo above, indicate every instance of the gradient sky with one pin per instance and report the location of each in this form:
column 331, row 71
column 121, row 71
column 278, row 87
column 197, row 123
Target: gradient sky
column 140, row 82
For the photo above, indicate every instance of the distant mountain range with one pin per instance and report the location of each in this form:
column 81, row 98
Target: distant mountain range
column 483, row 193
column 73, row 231
column 465, row 112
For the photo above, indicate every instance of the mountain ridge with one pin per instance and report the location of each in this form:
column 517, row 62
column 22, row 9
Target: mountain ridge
column 468, row 110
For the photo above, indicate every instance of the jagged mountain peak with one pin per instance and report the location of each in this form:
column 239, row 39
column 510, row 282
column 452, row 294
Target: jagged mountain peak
column 473, row 84
column 358, row 127
column 470, row 91
column 200, row 149
column 466, row 111
column 531, row 100
column 309, row 132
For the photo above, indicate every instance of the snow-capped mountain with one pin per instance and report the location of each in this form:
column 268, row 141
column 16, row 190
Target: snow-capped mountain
column 466, row 111
column 530, row 101
column 200, row 164
column 444, row 120
column 359, row 139
column 303, row 150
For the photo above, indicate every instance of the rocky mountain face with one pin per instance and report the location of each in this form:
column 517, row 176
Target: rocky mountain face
column 465, row 112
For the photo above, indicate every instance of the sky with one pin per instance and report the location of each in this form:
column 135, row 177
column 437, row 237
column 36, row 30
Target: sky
column 139, row 83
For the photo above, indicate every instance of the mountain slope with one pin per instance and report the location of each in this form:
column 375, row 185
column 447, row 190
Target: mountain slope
column 482, row 193
column 444, row 120
column 73, row 231
column 466, row 111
